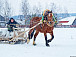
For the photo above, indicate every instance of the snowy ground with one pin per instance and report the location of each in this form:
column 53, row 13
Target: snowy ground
column 63, row 45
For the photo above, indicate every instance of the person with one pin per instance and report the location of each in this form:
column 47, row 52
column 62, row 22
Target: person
column 12, row 23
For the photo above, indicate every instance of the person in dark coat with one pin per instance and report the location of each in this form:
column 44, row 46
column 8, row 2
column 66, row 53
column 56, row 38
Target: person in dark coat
column 12, row 23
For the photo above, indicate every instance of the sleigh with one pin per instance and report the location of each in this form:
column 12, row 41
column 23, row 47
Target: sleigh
column 14, row 39
column 21, row 36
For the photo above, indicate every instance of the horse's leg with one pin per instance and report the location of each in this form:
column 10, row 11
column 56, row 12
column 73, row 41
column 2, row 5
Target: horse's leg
column 52, row 37
column 35, row 37
column 29, row 36
column 46, row 39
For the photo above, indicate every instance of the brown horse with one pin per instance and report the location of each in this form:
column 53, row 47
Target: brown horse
column 45, row 27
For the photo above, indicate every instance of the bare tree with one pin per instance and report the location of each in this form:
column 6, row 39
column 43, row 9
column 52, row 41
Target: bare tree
column 66, row 12
column 6, row 9
column 53, row 7
column 37, row 10
column 1, row 6
column 25, row 7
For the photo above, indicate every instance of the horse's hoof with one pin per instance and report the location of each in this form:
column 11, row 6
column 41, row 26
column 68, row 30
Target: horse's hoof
column 28, row 41
column 47, row 45
column 34, row 44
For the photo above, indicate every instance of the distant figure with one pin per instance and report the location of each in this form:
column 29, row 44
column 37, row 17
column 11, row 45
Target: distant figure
column 12, row 23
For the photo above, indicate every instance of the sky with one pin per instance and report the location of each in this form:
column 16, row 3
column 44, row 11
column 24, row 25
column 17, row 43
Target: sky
column 69, row 5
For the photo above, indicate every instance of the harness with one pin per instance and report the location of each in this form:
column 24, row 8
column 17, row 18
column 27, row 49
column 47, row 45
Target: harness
column 45, row 19
column 54, row 18
column 46, row 16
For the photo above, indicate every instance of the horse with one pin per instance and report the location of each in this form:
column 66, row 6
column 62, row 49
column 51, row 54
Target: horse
column 45, row 27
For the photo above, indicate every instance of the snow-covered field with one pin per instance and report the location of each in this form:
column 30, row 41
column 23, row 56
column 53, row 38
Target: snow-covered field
column 63, row 45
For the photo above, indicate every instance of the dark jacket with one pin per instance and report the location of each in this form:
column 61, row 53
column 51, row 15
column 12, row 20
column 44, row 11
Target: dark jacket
column 10, row 25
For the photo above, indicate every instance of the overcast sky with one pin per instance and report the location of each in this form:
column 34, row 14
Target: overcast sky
column 70, row 5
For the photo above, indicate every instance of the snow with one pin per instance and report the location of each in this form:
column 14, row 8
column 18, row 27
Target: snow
column 63, row 45
column 70, row 19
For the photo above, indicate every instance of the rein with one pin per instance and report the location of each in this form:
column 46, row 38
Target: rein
column 54, row 18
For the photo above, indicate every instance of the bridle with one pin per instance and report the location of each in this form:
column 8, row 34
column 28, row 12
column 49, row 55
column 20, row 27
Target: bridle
column 48, row 12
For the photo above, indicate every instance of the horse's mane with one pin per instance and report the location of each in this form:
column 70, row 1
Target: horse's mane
column 37, row 18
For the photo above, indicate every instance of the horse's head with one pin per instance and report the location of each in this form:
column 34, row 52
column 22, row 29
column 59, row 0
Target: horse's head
column 48, row 16
column 47, row 12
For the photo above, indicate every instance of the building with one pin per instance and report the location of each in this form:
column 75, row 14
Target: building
column 69, row 22
column 74, row 22
column 2, row 21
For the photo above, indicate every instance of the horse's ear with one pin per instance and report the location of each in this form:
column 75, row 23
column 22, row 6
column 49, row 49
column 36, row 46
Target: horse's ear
column 51, row 11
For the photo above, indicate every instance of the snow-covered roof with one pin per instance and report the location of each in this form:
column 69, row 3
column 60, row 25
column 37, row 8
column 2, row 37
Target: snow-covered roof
column 70, row 19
